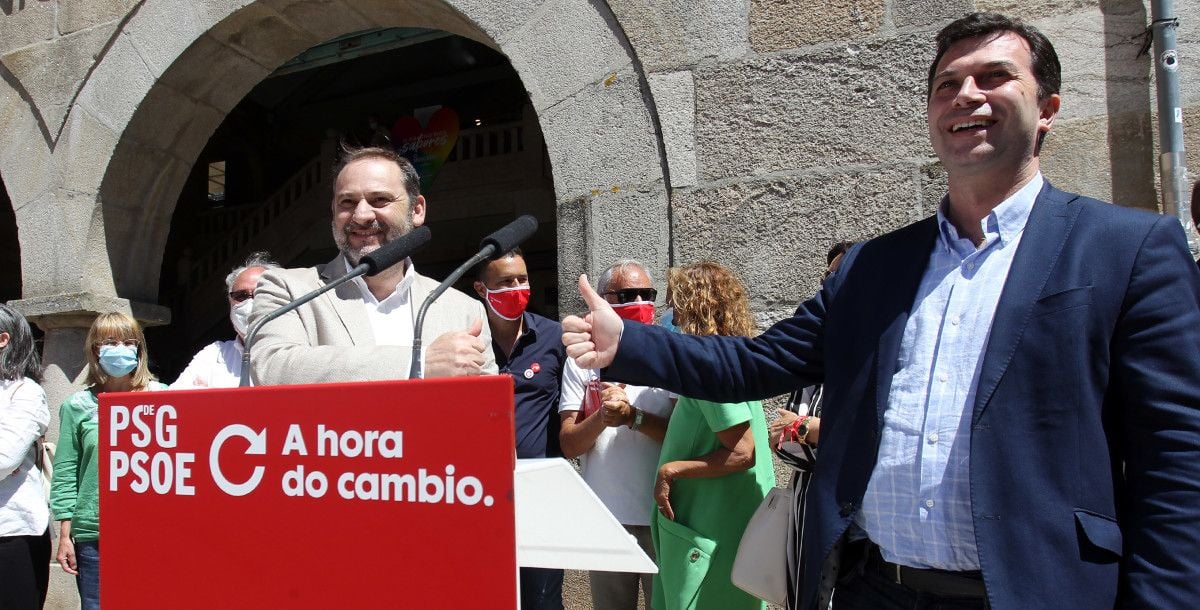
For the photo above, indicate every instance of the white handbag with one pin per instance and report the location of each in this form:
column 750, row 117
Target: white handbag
column 760, row 567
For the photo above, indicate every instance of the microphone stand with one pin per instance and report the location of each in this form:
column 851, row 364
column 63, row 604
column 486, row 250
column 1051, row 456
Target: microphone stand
column 415, row 370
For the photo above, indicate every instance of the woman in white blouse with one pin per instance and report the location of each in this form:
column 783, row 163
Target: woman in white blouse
column 24, row 513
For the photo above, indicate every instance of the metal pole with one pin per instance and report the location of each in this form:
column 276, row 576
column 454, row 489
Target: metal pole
column 1172, row 164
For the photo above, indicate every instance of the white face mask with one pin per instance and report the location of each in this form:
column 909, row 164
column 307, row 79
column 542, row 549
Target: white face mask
column 240, row 316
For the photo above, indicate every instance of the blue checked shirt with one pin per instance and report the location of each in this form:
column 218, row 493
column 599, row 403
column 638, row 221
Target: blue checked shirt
column 917, row 506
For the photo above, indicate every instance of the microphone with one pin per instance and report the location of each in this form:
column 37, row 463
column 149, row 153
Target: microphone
column 509, row 236
column 395, row 251
column 370, row 264
column 490, row 248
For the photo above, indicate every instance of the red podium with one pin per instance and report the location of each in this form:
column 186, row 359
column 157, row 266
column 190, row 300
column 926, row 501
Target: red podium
column 372, row 495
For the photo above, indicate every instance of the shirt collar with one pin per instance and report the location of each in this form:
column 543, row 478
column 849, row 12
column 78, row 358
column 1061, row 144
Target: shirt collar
column 400, row 294
column 1006, row 220
column 528, row 333
column 528, row 330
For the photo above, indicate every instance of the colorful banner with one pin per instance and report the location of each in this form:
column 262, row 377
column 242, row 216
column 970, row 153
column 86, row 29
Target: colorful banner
column 390, row 494
column 429, row 146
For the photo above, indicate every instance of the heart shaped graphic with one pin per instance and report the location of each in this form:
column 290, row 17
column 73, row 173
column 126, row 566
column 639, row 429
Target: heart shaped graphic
column 426, row 147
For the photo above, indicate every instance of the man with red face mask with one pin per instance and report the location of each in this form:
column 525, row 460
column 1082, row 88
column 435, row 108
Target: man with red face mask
column 618, row 442
column 528, row 347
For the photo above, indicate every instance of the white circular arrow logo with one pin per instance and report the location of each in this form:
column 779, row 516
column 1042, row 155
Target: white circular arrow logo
column 258, row 446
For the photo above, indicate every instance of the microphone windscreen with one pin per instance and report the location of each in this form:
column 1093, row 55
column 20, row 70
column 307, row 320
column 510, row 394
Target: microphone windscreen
column 510, row 235
column 396, row 250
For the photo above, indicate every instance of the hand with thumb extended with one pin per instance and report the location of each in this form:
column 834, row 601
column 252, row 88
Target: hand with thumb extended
column 593, row 339
column 456, row 354
column 476, row 327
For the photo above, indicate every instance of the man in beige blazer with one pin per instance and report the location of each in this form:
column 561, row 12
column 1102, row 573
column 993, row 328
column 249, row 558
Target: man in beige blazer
column 363, row 329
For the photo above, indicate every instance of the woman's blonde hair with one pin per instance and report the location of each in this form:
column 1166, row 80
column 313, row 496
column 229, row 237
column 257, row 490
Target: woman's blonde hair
column 709, row 299
column 121, row 327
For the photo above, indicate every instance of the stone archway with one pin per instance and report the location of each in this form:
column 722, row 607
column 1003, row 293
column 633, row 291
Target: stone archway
column 93, row 198
column 10, row 249
column 590, row 103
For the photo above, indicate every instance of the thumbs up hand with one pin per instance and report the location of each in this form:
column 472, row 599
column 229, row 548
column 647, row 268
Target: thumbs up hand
column 456, row 354
column 593, row 339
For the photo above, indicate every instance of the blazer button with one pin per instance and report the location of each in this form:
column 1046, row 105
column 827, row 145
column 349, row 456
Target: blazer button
column 847, row 509
column 694, row 556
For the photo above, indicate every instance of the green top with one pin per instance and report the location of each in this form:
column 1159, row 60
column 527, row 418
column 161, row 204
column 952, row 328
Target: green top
column 696, row 551
column 74, row 489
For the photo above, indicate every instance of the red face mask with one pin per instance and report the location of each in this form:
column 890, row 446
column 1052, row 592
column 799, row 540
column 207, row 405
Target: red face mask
column 508, row 303
column 638, row 311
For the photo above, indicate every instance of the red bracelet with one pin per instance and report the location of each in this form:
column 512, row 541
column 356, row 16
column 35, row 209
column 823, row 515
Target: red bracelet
column 793, row 429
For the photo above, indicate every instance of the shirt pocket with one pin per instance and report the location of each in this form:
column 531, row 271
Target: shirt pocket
column 684, row 557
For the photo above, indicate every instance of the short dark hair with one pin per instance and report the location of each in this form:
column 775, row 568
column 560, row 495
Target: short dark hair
column 1196, row 204
column 20, row 357
column 481, row 268
column 1046, row 68
column 837, row 250
column 412, row 180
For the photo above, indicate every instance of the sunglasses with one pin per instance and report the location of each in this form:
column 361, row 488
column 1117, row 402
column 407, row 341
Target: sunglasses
column 629, row 295
column 237, row 296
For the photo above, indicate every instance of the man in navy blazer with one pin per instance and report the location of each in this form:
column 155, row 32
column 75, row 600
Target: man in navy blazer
column 1011, row 386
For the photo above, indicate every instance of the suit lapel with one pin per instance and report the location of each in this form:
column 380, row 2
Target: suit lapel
column 421, row 287
column 1045, row 234
column 902, row 269
column 348, row 303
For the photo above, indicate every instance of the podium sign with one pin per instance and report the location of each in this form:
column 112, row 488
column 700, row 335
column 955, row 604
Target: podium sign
column 369, row 495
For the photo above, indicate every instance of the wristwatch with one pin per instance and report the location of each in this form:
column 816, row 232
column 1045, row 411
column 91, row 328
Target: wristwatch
column 802, row 429
column 638, row 414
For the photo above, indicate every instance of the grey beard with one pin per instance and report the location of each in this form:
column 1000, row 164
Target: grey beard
column 342, row 239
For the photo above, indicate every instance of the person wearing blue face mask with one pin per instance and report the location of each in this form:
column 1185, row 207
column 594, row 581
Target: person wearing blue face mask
column 117, row 362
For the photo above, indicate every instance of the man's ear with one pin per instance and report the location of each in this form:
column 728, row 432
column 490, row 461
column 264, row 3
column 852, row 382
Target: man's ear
column 480, row 289
column 4, row 339
column 418, row 211
column 1049, row 110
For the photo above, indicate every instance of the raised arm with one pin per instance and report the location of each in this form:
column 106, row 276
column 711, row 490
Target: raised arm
column 723, row 369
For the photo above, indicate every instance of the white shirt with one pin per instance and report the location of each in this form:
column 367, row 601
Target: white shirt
column 392, row 319
column 24, row 417
column 621, row 465
column 218, row 365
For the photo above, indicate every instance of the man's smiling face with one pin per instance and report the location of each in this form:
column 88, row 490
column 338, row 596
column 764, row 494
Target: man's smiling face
column 984, row 112
column 371, row 207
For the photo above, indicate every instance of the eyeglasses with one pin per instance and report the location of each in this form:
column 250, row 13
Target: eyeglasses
column 115, row 342
column 237, row 296
column 629, row 295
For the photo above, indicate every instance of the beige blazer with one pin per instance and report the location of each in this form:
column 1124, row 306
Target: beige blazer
column 330, row 339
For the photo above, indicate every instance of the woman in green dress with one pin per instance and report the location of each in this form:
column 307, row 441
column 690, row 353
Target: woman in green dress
column 715, row 465
column 117, row 361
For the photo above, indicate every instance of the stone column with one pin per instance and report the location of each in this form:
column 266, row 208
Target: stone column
column 64, row 361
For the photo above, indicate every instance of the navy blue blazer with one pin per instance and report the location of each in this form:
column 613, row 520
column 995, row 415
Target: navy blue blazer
column 1085, row 438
